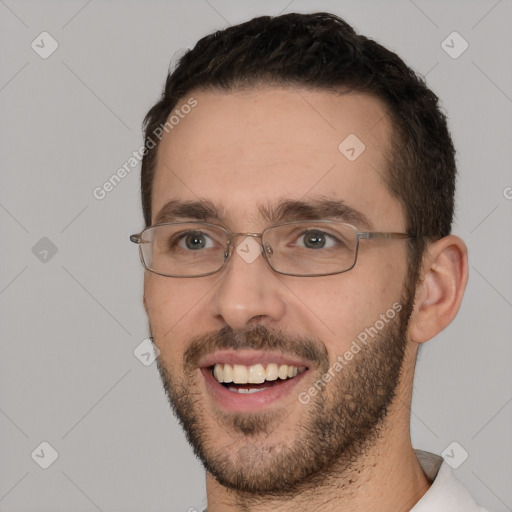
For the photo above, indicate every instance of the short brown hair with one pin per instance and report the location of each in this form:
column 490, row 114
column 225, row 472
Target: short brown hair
column 320, row 51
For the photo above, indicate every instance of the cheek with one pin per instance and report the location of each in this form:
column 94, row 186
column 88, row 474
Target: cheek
column 171, row 306
column 348, row 304
column 168, row 299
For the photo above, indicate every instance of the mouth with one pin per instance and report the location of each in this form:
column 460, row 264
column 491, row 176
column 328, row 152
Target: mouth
column 256, row 378
column 242, row 383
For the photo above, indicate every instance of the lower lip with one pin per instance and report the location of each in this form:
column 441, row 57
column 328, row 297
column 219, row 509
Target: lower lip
column 248, row 402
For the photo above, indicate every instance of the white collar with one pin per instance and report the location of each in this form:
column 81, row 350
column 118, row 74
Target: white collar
column 446, row 494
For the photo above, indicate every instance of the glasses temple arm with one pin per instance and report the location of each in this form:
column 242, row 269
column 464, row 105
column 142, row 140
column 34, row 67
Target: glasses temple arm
column 368, row 235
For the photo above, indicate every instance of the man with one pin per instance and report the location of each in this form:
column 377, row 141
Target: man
column 298, row 193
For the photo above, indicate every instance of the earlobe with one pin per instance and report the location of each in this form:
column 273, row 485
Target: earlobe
column 443, row 279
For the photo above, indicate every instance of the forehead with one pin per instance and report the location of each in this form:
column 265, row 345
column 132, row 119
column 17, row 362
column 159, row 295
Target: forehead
column 246, row 150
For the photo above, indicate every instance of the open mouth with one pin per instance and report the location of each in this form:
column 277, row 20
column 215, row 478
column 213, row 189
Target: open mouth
column 249, row 381
column 255, row 378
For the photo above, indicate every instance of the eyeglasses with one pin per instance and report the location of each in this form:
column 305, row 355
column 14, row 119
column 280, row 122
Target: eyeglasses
column 298, row 248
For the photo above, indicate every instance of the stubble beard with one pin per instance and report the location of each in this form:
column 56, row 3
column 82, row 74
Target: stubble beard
column 332, row 433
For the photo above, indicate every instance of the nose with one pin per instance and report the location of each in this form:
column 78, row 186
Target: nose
column 249, row 291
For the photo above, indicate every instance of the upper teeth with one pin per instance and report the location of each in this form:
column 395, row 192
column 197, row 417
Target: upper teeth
column 254, row 374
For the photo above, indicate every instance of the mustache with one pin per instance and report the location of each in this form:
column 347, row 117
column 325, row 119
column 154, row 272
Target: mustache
column 258, row 338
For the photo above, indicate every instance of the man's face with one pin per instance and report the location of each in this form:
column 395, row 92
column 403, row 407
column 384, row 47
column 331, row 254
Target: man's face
column 261, row 147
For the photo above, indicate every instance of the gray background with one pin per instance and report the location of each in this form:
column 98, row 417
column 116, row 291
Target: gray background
column 70, row 321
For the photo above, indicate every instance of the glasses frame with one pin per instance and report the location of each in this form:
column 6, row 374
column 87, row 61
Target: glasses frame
column 360, row 235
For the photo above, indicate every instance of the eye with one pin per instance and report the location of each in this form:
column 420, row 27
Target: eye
column 192, row 241
column 316, row 239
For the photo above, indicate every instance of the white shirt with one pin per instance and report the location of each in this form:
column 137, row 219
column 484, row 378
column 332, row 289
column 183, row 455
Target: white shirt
column 446, row 494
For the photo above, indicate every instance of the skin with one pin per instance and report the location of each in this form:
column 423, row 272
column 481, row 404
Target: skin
column 250, row 147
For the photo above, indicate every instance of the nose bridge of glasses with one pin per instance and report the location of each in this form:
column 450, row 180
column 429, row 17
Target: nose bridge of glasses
column 231, row 236
column 265, row 249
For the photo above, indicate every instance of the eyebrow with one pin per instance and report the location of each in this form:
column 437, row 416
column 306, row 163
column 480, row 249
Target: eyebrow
column 284, row 211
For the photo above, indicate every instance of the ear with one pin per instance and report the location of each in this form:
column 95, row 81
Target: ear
column 443, row 279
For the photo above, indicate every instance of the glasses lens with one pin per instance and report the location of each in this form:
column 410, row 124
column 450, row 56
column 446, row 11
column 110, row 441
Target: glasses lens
column 183, row 249
column 311, row 248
